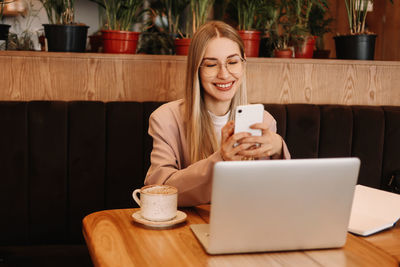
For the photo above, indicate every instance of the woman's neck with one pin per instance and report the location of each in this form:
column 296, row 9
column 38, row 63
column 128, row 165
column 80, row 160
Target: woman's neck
column 217, row 107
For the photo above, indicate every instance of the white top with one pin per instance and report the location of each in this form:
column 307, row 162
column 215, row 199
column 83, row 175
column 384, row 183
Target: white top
column 219, row 122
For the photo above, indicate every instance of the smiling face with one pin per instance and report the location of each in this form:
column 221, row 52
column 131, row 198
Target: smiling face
column 220, row 88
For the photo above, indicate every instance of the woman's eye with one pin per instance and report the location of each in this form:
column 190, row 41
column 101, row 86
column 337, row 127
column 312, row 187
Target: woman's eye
column 210, row 65
column 233, row 62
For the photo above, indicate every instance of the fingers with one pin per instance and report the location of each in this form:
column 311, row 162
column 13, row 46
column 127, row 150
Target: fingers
column 233, row 153
column 241, row 146
column 262, row 126
column 231, row 143
column 267, row 145
column 227, row 130
column 258, row 152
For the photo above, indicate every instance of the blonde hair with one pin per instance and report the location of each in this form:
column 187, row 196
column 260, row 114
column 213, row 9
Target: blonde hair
column 200, row 134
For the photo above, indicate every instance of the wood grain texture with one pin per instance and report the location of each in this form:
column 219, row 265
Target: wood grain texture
column 388, row 241
column 114, row 239
column 106, row 77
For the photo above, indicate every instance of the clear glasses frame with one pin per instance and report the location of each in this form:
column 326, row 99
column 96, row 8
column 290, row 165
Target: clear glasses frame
column 233, row 65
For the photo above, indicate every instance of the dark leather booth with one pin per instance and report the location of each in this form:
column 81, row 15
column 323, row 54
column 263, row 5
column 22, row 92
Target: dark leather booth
column 60, row 161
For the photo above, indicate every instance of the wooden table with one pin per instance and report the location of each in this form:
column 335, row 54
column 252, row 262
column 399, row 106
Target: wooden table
column 388, row 241
column 114, row 239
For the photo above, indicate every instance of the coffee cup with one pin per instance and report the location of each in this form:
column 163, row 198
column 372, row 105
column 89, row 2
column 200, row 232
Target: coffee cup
column 157, row 202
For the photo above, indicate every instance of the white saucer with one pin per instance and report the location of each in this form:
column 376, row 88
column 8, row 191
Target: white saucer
column 180, row 217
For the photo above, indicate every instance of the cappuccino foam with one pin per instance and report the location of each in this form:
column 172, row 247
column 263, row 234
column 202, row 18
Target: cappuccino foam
column 158, row 189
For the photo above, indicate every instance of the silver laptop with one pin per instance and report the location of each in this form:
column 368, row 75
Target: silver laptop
column 278, row 205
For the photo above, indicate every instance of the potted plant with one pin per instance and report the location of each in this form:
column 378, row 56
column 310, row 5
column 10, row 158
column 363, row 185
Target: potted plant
column 63, row 33
column 319, row 25
column 120, row 17
column 166, row 30
column 275, row 40
column 359, row 43
column 277, row 28
column 298, row 12
column 4, row 28
column 23, row 37
column 171, row 10
column 199, row 10
column 247, row 13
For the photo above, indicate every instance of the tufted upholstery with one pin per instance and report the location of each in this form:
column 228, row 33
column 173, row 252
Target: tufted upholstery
column 60, row 161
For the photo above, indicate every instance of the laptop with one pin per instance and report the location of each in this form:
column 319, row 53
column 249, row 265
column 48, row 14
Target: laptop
column 279, row 205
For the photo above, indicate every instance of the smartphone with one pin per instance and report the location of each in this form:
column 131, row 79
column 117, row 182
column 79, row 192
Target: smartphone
column 247, row 115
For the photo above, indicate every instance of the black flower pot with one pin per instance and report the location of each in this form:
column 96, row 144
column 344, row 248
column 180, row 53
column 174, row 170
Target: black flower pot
column 4, row 29
column 361, row 46
column 66, row 38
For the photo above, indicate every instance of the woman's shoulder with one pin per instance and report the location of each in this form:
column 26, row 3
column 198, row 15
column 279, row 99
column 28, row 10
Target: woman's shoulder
column 169, row 111
column 169, row 108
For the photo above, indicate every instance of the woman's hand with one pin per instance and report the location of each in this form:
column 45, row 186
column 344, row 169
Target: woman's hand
column 269, row 144
column 231, row 145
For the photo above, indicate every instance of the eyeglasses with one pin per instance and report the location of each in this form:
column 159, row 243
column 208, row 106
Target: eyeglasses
column 212, row 67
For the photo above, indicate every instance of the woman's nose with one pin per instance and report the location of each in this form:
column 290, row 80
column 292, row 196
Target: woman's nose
column 223, row 71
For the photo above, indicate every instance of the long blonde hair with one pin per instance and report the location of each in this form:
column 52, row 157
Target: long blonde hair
column 200, row 134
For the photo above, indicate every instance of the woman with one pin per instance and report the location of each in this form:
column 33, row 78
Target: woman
column 191, row 135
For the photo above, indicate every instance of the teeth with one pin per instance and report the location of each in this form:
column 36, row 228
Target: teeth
column 226, row 85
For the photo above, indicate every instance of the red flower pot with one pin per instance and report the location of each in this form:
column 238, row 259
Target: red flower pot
column 305, row 50
column 286, row 53
column 120, row 42
column 251, row 40
column 182, row 46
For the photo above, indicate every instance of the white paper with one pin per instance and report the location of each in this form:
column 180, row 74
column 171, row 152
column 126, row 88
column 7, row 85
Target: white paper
column 373, row 210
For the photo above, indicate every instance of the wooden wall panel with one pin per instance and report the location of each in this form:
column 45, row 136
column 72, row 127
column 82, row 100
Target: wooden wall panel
column 375, row 24
column 324, row 82
column 69, row 76
column 72, row 76
column 391, row 34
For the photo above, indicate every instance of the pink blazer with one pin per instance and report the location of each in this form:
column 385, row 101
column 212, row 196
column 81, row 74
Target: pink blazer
column 170, row 161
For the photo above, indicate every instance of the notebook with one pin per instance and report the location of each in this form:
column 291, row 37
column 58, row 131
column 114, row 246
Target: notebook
column 373, row 210
column 279, row 205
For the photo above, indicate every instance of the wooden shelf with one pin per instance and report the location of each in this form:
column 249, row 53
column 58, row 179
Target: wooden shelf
column 118, row 77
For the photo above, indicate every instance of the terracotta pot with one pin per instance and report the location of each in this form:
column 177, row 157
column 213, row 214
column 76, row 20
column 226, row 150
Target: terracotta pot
column 120, row 42
column 251, row 40
column 182, row 46
column 286, row 53
column 324, row 54
column 305, row 50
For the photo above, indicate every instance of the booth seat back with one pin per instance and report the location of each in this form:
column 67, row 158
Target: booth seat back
column 60, row 161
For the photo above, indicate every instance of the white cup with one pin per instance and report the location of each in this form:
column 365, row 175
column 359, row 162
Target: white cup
column 157, row 202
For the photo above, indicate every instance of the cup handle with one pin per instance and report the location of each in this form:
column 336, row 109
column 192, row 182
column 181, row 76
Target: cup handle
column 135, row 197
